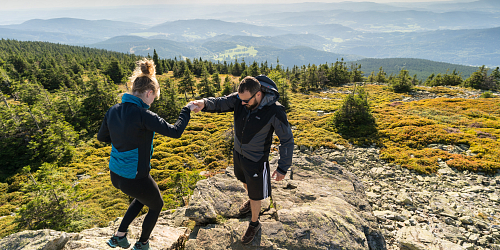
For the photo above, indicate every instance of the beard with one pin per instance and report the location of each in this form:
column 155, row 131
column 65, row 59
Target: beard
column 251, row 107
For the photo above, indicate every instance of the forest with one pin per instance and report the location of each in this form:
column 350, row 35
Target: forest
column 53, row 171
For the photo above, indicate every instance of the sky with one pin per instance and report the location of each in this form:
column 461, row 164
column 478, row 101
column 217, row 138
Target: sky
column 58, row 4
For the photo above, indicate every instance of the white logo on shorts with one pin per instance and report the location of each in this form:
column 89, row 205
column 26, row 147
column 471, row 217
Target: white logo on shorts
column 255, row 175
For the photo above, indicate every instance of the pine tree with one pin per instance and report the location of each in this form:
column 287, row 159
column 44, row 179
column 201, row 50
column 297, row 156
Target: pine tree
column 236, row 70
column 254, row 69
column 205, row 87
column 401, row 83
column 381, row 76
column 168, row 105
column 187, row 83
column 227, row 88
column 158, row 65
column 280, row 79
column 216, row 81
column 115, row 71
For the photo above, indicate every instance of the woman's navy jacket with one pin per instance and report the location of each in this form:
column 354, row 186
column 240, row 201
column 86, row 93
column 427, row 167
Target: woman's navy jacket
column 130, row 127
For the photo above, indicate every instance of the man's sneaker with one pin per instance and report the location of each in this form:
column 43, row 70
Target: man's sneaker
column 245, row 208
column 116, row 241
column 139, row 246
column 250, row 233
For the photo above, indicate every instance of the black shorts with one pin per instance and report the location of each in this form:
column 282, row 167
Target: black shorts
column 255, row 174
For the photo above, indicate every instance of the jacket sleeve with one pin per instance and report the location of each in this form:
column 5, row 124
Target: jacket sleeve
column 284, row 133
column 157, row 124
column 220, row 104
column 103, row 134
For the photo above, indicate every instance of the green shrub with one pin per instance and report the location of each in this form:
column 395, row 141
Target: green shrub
column 354, row 116
column 402, row 83
column 487, row 94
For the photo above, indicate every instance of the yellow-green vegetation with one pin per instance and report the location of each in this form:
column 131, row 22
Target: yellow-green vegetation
column 406, row 130
column 238, row 52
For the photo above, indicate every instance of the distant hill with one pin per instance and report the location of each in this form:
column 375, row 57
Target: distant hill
column 469, row 47
column 101, row 29
column 142, row 46
column 190, row 30
column 422, row 68
column 289, row 56
column 279, row 41
column 53, row 37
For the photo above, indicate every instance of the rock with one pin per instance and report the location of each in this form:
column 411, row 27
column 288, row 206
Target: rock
column 372, row 195
column 469, row 246
column 389, row 215
column 416, row 238
column 404, row 198
column 474, row 237
column 493, row 197
column 162, row 237
column 39, row 239
column 327, row 208
column 475, row 189
column 466, row 220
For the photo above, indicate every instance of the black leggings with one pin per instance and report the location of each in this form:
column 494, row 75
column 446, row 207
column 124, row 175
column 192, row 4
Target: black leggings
column 146, row 192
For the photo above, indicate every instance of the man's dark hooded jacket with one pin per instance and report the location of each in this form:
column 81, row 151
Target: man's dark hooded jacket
column 253, row 129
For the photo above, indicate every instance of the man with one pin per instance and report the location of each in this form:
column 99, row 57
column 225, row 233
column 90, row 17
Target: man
column 257, row 114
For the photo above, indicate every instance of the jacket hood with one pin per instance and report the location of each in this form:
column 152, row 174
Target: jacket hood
column 270, row 89
column 135, row 100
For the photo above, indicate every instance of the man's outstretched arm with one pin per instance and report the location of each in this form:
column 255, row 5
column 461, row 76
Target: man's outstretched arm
column 219, row 104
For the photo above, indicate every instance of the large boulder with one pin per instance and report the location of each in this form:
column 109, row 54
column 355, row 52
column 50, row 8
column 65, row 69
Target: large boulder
column 169, row 233
column 320, row 206
column 35, row 240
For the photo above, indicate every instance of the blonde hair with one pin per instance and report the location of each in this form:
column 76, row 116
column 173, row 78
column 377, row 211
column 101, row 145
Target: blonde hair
column 143, row 78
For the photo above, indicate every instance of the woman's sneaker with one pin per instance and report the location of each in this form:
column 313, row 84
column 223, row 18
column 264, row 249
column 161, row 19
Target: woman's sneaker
column 139, row 246
column 116, row 241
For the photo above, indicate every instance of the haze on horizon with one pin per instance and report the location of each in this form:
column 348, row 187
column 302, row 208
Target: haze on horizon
column 72, row 4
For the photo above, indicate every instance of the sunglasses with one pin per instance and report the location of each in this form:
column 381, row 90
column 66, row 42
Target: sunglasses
column 247, row 101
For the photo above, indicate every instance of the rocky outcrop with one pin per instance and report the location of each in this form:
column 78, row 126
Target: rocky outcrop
column 455, row 207
column 320, row 206
column 169, row 233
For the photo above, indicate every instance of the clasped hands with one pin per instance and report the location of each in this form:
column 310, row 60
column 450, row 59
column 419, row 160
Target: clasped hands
column 196, row 106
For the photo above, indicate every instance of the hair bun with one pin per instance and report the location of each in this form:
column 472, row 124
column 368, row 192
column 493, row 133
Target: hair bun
column 148, row 67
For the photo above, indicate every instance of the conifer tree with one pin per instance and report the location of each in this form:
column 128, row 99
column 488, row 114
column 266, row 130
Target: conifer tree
column 381, row 76
column 401, row 83
column 216, row 81
column 280, row 79
column 227, row 88
column 168, row 105
column 158, row 65
column 371, row 77
column 235, row 69
column 205, row 87
column 187, row 83
column 115, row 71
column 254, row 69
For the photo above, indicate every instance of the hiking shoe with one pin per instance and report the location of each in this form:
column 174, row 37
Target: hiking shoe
column 245, row 208
column 250, row 233
column 139, row 246
column 116, row 241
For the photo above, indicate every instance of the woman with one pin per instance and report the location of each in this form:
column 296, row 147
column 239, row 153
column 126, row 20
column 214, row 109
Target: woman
column 130, row 128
